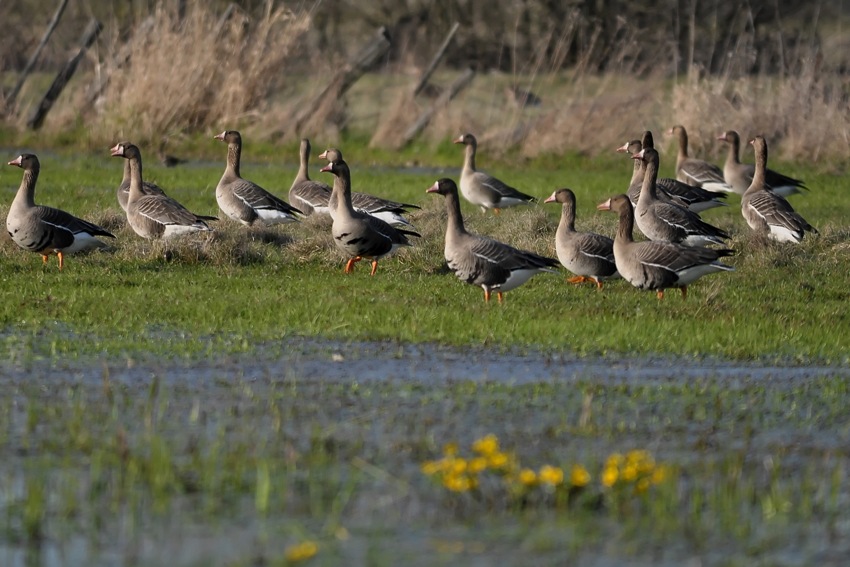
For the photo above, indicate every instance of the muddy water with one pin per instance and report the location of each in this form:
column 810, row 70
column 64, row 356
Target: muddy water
column 428, row 363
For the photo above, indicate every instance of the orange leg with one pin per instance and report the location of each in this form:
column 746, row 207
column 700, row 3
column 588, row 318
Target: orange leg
column 578, row 279
column 598, row 284
column 61, row 260
column 496, row 211
column 349, row 266
column 501, row 297
column 374, row 267
column 44, row 259
column 660, row 294
column 486, row 296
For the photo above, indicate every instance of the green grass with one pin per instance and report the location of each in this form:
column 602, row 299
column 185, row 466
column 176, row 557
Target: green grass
column 247, row 288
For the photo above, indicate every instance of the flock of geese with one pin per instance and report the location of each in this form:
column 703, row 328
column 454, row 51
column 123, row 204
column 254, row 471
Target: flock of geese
column 367, row 227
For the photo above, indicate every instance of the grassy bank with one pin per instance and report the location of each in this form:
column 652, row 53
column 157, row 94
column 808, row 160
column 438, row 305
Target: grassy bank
column 240, row 288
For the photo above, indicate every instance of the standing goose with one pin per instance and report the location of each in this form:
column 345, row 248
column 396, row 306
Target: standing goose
column 243, row 200
column 740, row 175
column 358, row 234
column 388, row 211
column 44, row 229
column 657, row 265
column 124, row 188
column 154, row 215
column 482, row 261
column 694, row 198
column 696, row 171
column 485, row 190
column 588, row 255
column 308, row 195
column 766, row 211
column 666, row 221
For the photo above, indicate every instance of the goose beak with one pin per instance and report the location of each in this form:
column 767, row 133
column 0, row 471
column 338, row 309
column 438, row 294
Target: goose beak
column 220, row 136
column 17, row 161
column 623, row 148
column 117, row 150
column 328, row 167
column 323, row 155
column 550, row 198
column 606, row 206
column 435, row 188
column 458, row 140
column 722, row 137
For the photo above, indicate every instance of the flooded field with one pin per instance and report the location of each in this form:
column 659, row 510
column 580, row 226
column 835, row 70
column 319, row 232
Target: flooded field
column 240, row 461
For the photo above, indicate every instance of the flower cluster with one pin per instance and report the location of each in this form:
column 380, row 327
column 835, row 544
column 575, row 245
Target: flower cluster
column 301, row 551
column 635, row 469
column 459, row 473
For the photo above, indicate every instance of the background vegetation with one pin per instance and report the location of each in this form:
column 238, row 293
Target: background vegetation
column 778, row 69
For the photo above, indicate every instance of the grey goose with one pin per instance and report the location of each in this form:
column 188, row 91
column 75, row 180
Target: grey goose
column 245, row 201
column 484, row 262
column 154, row 215
column 358, row 234
column 124, row 188
column 588, row 255
column 388, row 211
column 46, row 230
column 659, row 220
column 740, row 175
column 696, row 171
column 694, row 198
column 657, row 265
column 484, row 190
column 766, row 211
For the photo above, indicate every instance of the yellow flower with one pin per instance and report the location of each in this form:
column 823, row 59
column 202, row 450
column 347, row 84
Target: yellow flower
column 497, row 460
column 301, row 552
column 642, row 485
column 477, row 465
column 659, row 475
column 432, row 467
column 458, row 466
column 458, row 483
column 614, row 461
column 527, row 477
column 579, row 476
column 450, row 449
column 551, row 475
column 630, row 472
column 609, row 476
column 487, row 445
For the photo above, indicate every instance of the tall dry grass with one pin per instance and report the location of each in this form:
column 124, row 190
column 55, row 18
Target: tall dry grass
column 188, row 74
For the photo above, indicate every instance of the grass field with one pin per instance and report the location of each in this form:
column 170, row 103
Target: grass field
column 179, row 410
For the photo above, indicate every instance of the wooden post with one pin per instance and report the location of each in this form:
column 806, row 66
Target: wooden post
column 57, row 15
column 348, row 75
column 89, row 37
column 423, row 120
column 423, row 81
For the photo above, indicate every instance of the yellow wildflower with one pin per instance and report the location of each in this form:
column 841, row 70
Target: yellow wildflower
column 614, row 461
column 450, row 449
column 301, row 552
column 458, row 483
column 551, row 475
column 610, row 475
column 527, row 477
column 433, row 467
column 487, row 445
column 458, row 466
column 642, row 485
column 477, row 465
column 659, row 475
column 630, row 472
column 498, row 460
column 579, row 476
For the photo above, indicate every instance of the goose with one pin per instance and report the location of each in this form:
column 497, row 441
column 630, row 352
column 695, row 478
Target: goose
column 666, row 221
column 388, row 211
column 696, row 171
column 357, row 234
column 694, row 198
column 766, row 211
column 46, row 230
column 308, row 195
column 154, row 215
column 588, row 255
column 124, row 189
column 243, row 200
column 657, row 265
column 740, row 175
column 485, row 190
column 483, row 261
